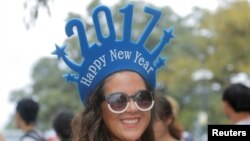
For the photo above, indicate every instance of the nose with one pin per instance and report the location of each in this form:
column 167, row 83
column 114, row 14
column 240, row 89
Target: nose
column 132, row 107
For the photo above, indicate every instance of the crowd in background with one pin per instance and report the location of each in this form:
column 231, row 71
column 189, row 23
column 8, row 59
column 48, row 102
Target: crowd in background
column 235, row 101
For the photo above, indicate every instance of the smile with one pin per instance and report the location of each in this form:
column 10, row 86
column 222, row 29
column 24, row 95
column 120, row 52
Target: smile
column 130, row 121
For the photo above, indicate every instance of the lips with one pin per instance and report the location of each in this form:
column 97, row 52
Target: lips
column 130, row 122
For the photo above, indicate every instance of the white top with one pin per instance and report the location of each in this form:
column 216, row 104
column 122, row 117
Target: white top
column 243, row 122
column 28, row 139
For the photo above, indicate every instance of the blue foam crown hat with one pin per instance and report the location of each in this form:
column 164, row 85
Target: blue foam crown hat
column 113, row 55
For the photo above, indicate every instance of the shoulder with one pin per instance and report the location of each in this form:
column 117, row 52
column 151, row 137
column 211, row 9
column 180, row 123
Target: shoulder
column 33, row 135
column 244, row 122
column 27, row 138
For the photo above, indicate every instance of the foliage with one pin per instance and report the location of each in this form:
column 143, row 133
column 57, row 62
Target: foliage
column 216, row 41
column 50, row 90
column 230, row 27
column 34, row 8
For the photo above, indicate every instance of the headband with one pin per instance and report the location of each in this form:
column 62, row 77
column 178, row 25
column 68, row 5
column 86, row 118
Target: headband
column 111, row 55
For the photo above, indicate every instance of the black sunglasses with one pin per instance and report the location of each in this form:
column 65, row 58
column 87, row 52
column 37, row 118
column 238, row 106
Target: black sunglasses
column 118, row 102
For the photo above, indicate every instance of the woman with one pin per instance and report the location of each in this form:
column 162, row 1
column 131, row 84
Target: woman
column 127, row 124
column 166, row 128
column 116, row 79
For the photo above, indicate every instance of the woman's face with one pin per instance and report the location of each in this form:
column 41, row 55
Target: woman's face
column 129, row 125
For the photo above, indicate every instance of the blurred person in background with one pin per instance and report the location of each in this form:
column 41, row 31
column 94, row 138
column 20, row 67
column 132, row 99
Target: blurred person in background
column 26, row 116
column 236, row 103
column 167, row 109
column 166, row 127
column 1, row 137
column 62, row 124
column 186, row 135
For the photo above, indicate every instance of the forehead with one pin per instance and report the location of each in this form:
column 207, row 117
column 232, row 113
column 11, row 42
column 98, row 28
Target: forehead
column 125, row 81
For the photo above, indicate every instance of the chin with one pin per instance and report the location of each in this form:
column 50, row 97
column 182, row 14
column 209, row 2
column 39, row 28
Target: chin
column 128, row 136
column 132, row 136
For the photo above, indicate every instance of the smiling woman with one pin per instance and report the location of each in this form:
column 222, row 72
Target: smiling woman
column 127, row 123
column 117, row 78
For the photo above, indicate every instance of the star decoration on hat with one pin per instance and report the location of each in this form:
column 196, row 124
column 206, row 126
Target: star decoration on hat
column 59, row 51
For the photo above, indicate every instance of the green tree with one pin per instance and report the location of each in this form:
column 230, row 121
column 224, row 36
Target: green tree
column 231, row 33
column 217, row 41
column 51, row 91
column 34, row 8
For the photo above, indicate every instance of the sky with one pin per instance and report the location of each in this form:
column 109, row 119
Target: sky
column 21, row 48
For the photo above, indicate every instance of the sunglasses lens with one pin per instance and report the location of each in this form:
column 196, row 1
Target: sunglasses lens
column 144, row 100
column 118, row 102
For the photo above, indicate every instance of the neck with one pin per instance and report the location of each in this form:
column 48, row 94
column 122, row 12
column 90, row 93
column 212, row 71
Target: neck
column 28, row 127
column 240, row 116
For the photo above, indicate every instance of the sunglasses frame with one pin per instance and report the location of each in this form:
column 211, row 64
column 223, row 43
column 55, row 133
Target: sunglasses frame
column 128, row 101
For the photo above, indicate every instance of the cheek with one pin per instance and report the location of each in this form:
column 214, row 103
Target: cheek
column 105, row 111
column 145, row 121
column 17, row 120
column 225, row 108
column 148, row 116
column 108, row 117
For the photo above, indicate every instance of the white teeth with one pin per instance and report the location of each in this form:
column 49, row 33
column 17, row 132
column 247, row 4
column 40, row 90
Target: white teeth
column 130, row 121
